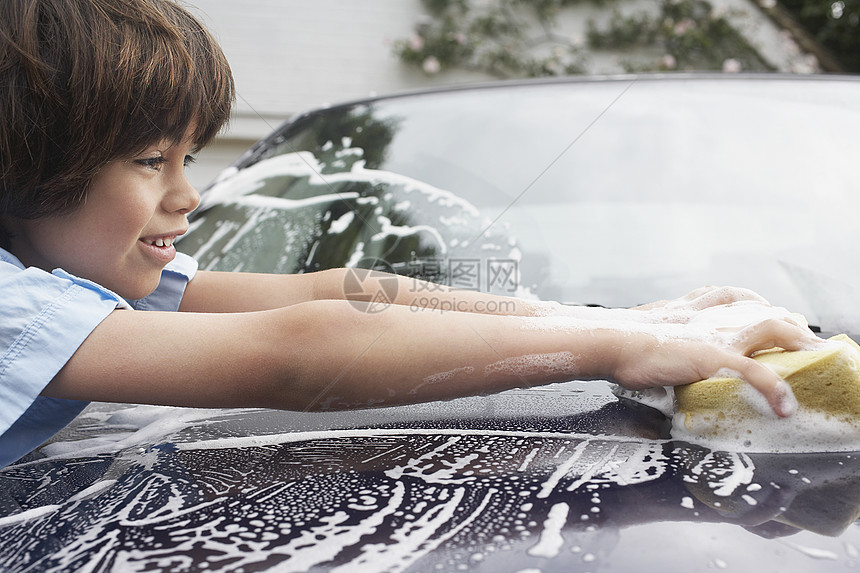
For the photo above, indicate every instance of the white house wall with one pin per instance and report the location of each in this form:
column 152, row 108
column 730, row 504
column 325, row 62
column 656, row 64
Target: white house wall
column 293, row 55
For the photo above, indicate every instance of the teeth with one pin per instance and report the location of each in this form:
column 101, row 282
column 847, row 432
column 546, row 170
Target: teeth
column 165, row 242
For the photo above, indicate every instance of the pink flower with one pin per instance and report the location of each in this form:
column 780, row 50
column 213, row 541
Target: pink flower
column 431, row 65
column 731, row 66
column 668, row 62
column 416, row 43
column 684, row 26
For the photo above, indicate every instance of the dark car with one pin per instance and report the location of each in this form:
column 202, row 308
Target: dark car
column 613, row 192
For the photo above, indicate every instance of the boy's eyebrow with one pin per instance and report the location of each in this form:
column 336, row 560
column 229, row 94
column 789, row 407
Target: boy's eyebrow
column 165, row 145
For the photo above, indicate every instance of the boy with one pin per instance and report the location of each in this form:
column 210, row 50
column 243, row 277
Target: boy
column 102, row 105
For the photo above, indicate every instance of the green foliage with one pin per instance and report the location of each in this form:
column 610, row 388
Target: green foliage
column 322, row 134
column 624, row 32
column 690, row 33
column 520, row 38
column 835, row 24
column 492, row 38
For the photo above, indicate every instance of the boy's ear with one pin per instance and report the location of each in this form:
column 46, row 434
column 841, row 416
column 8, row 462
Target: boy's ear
column 10, row 229
column 8, row 224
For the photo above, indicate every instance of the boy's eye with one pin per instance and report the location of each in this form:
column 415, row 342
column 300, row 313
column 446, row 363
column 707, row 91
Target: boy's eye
column 152, row 162
column 158, row 161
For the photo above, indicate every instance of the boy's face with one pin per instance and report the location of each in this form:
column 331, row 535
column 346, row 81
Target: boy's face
column 122, row 236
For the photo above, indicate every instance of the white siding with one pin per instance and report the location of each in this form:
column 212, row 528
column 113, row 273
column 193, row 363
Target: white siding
column 292, row 55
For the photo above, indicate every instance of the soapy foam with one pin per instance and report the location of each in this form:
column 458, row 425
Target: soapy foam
column 661, row 398
column 551, row 541
column 557, row 363
column 558, row 324
column 342, row 223
column 291, row 437
column 456, row 494
column 736, row 315
column 447, row 230
column 804, row 431
column 147, row 425
column 303, row 164
column 31, row 514
column 588, row 319
column 440, row 496
column 443, row 377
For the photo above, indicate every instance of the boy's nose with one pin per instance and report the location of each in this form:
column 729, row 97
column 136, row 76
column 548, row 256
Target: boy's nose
column 183, row 198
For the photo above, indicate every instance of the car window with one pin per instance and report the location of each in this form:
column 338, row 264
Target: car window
column 613, row 193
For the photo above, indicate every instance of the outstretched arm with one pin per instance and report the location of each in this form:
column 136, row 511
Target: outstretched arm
column 329, row 354
column 244, row 292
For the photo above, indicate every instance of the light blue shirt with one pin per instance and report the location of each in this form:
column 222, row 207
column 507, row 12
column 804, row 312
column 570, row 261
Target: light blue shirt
column 44, row 318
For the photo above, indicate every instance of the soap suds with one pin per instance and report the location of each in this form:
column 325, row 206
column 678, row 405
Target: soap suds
column 557, row 363
column 443, row 377
column 379, row 499
column 550, row 542
column 804, row 431
column 342, row 223
column 35, row 513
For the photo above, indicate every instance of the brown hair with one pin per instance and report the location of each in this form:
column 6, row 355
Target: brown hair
column 85, row 82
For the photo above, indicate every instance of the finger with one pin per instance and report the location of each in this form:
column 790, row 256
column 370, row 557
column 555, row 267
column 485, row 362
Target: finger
column 797, row 320
column 772, row 333
column 684, row 301
column 696, row 293
column 676, row 303
column 776, row 391
column 680, row 302
column 650, row 305
column 719, row 296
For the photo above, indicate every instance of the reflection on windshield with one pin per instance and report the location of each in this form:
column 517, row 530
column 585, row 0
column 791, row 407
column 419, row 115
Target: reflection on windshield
column 290, row 213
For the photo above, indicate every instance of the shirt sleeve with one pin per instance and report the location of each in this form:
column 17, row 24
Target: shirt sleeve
column 46, row 317
column 171, row 287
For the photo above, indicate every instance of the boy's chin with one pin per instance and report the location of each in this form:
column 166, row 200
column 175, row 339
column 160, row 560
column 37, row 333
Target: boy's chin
column 136, row 291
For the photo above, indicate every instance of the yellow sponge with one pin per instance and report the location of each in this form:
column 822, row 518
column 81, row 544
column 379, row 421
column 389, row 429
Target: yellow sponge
column 826, row 383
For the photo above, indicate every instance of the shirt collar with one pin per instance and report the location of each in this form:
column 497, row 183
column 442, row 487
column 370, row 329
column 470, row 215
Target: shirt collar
column 8, row 257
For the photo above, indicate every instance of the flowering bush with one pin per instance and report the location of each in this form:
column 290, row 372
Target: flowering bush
column 490, row 38
column 691, row 35
column 520, row 38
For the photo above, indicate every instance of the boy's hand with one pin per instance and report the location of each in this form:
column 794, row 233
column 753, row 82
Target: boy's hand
column 705, row 297
column 712, row 339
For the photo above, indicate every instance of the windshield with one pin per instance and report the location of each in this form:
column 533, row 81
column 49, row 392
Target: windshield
column 614, row 192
